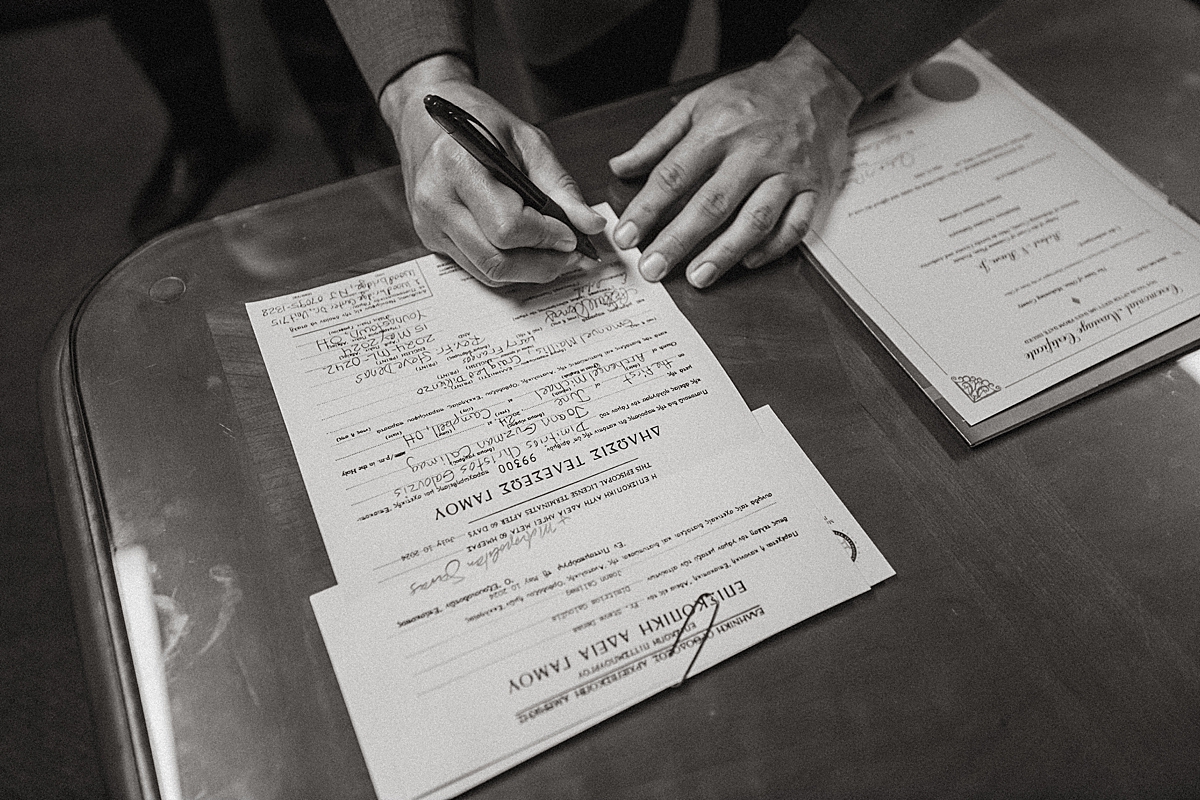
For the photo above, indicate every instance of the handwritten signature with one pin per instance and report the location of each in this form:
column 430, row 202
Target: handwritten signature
column 527, row 537
column 449, row 574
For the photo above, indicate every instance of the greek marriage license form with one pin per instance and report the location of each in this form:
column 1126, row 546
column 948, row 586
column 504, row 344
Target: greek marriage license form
column 542, row 504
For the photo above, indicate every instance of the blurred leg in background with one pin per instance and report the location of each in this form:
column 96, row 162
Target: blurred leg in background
column 175, row 44
column 633, row 57
column 328, row 80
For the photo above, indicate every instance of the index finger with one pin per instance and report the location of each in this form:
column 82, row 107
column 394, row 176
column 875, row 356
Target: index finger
column 655, row 143
column 675, row 176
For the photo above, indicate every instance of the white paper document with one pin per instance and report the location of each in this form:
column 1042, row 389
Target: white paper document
column 993, row 245
column 429, row 413
column 579, row 616
column 584, row 615
column 800, row 470
column 542, row 505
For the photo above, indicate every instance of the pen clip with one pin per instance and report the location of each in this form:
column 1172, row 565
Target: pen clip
column 468, row 118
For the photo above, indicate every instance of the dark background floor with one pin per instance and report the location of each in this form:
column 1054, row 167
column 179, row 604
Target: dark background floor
column 80, row 130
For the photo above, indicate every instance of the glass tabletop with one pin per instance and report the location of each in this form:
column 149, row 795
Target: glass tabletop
column 1039, row 638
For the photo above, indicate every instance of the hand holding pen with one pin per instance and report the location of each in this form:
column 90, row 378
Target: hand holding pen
column 482, row 144
column 461, row 208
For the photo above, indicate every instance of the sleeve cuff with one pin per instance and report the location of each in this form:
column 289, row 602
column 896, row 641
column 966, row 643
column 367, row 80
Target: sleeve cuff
column 874, row 42
column 387, row 38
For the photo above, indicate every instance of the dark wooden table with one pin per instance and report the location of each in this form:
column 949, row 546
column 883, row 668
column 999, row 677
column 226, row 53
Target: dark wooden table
column 1041, row 637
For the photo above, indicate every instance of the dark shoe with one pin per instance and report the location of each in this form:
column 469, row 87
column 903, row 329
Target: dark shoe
column 186, row 177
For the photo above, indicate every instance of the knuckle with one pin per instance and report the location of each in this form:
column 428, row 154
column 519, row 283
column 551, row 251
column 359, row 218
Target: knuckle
column 756, row 259
column 546, row 239
column 671, row 177
column 760, row 220
column 763, row 255
column 763, row 258
column 567, row 183
column 791, row 233
column 724, row 253
column 505, row 232
column 732, row 114
column 496, row 267
column 670, row 245
column 484, row 279
column 424, row 196
column 714, row 203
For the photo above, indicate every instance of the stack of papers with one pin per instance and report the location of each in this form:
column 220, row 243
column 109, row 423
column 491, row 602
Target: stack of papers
column 542, row 505
column 1005, row 260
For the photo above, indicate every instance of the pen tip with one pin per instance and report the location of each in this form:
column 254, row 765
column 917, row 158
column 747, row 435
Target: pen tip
column 585, row 246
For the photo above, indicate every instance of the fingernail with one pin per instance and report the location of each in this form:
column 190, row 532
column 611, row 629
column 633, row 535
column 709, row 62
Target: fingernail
column 574, row 259
column 654, row 266
column 626, row 235
column 703, row 275
column 752, row 261
column 564, row 245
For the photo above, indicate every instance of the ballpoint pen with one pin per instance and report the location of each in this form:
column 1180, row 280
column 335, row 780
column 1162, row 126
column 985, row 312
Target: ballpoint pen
column 477, row 140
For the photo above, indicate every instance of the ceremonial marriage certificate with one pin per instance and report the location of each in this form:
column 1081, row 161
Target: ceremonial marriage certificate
column 542, row 505
column 997, row 252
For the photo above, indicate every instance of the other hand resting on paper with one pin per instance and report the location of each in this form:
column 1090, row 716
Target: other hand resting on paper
column 754, row 155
